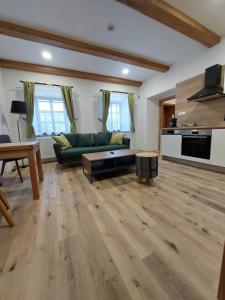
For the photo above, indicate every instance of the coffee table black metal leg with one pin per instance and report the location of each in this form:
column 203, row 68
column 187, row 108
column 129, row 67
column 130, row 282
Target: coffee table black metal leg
column 88, row 176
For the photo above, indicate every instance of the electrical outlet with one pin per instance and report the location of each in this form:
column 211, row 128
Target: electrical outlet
column 182, row 113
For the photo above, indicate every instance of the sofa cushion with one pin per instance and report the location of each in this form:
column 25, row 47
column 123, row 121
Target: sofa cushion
column 109, row 135
column 73, row 153
column 73, row 139
column 101, row 139
column 85, row 140
column 62, row 141
column 117, row 138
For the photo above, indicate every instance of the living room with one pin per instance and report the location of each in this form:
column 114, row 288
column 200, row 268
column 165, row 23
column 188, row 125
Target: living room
column 102, row 194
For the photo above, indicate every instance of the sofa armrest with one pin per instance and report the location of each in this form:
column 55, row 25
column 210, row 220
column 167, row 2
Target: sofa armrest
column 126, row 141
column 57, row 150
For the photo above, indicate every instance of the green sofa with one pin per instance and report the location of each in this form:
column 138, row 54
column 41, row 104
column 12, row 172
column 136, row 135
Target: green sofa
column 86, row 143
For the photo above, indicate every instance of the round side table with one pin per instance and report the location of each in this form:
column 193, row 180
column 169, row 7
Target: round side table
column 147, row 167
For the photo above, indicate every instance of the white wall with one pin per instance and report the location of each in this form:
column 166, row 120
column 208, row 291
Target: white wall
column 152, row 88
column 85, row 101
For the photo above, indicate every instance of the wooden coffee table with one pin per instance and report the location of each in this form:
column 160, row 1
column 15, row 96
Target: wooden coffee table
column 107, row 162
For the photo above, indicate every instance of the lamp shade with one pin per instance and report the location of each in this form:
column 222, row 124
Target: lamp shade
column 18, row 107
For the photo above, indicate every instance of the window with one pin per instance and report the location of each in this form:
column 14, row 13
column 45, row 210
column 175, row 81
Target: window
column 50, row 115
column 119, row 113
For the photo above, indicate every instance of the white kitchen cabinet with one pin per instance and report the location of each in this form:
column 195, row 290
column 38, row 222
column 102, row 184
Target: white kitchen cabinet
column 218, row 147
column 171, row 145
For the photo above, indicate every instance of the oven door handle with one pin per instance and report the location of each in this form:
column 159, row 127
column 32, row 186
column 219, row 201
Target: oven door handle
column 194, row 137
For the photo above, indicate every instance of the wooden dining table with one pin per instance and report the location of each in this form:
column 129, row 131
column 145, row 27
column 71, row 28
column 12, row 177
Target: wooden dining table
column 31, row 151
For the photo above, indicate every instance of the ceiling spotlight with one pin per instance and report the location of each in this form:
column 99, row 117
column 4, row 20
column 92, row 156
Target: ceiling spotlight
column 125, row 71
column 46, row 55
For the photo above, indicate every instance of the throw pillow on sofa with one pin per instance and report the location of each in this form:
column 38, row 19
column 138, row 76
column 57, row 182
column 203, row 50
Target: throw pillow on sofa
column 85, row 140
column 117, row 138
column 101, row 139
column 62, row 141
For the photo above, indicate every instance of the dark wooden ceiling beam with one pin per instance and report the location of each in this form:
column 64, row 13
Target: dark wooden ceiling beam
column 17, row 65
column 168, row 15
column 59, row 41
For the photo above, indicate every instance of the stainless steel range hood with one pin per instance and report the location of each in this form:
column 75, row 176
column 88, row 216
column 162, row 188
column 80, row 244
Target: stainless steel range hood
column 213, row 85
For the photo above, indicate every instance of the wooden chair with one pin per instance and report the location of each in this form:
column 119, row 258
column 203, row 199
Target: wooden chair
column 6, row 139
column 4, row 206
column 221, row 291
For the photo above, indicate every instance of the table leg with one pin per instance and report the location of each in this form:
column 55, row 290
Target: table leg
column 221, row 291
column 139, row 179
column 39, row 165
column 151, row 182
column 33, row 176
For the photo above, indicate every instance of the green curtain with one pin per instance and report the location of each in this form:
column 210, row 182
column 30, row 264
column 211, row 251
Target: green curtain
column 131, row 108
column 28, row 88
column 105, row 109
column 68, row 100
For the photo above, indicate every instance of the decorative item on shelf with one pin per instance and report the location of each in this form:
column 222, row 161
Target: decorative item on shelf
column 20, row 108
column 173, row 122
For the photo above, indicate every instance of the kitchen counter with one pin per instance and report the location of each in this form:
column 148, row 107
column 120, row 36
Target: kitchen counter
column 194, row 127
column 177, row 144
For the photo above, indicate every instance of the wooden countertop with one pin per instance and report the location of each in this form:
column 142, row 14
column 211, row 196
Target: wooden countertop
column 195, row 127
column 18, row 146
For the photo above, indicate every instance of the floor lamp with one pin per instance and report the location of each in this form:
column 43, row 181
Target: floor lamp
column 19, row 108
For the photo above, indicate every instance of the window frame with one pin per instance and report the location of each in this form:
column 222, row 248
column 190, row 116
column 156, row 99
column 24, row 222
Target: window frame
column 37, row 112
column 118, row 102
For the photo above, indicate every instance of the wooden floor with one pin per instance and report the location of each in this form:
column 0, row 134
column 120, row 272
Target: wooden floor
column 115, row 239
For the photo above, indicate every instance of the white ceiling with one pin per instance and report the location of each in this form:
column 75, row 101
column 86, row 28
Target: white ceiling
column 87, row 20
column 21, row 50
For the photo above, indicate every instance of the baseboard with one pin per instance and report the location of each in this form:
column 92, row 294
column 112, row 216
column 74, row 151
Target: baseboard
column 194, row 164
column 48, row 160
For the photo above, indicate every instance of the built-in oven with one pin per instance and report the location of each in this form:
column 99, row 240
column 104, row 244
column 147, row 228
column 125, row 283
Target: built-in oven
column 196, row 143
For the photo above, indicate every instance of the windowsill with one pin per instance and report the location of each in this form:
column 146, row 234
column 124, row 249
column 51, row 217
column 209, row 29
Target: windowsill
column 43, row 137
column 49, row 135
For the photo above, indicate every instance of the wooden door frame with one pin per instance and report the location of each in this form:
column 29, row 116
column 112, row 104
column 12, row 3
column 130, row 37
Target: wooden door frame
column 161, row 101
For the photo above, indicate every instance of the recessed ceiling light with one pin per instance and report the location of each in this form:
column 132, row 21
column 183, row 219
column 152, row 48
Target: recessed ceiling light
column 46, row 55
column 125, row 71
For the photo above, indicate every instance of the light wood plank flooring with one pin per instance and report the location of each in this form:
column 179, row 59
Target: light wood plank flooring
column 115, row 239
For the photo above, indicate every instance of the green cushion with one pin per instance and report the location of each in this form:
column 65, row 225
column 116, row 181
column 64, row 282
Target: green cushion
column 71, row 153
column 101, row 139
column 109, row 135
column 73, row 139
column 85, row 140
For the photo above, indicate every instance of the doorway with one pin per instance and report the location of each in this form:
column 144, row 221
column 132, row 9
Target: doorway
column 166, row 110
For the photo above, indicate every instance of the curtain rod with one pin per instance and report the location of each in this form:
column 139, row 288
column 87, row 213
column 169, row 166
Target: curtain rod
column 115, row 92
column 41, row 83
